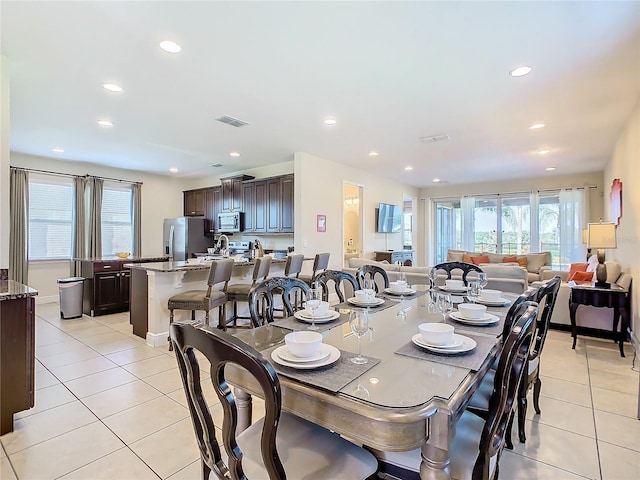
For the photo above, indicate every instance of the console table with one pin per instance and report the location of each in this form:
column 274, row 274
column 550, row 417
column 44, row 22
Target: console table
column 403, row 256
column 615, row 297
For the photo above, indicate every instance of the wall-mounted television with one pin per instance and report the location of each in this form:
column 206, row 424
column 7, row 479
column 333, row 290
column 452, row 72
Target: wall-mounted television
column 389, row 218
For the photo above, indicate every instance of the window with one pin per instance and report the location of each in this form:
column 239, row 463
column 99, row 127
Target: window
column 116, row 219
column 448, row 228
column 50, row 217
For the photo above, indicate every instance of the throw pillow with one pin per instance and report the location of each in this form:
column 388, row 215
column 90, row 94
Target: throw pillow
column 466, row 258
column 583, row 277
column 535, row 261
column 523, row 261
column 575, row 268
column 512, row 259
column 455, row 256
column 480, row 259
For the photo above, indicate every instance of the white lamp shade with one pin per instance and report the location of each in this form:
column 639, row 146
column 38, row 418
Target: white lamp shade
column 601, row 235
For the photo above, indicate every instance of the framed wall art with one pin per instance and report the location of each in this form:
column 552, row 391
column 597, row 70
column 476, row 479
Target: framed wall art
column 615, row 201
column 321, row 221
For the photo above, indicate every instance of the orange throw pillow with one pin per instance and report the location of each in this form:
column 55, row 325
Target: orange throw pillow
column 522, row 261
column 513, row 259
column 583, row 277
column 480, row 259
column 575, row 268
column 466, row 258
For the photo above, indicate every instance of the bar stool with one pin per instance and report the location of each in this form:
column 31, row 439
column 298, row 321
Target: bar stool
column 193, row 300
column 239, row 292
column 292, row 270
column 320, row 264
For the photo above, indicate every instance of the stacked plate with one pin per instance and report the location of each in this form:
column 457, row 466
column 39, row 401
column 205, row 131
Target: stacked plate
column 327, row 355
column 460, row 344
column 491, row 303
column 453, row 289
column 486, row 319
column 376, row 302
column 406, row 291
column 306, row 317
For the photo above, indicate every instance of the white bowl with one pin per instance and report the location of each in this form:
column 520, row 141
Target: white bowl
column 321, row 311
column 454, row 283
column 491, row 295
column 472, row 311
column 362, row 297
column 436, row 333
column 397, row 286
column 303, row 344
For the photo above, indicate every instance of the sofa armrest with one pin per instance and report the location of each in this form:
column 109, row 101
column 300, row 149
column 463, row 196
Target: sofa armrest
column 548, row 274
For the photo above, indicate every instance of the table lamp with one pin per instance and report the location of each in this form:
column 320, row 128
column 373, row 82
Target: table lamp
column 601, row 236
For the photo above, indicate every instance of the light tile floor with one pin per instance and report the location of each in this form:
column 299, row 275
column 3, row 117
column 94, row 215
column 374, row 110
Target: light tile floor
column 110, row 407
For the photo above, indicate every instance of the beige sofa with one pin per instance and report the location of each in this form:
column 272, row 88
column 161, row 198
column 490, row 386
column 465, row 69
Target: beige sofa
column 507, row 278
column 537, row 263
column 586, row 316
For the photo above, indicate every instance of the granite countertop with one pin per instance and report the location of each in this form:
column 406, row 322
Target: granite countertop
column 10, row 290
column 128, row 259
column 186, row 267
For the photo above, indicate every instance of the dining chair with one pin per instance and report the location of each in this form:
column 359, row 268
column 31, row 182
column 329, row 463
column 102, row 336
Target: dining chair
column 378, row 274
column 262, row 298
column 320, row 264
column 477, row 445
column 342, row 281
column 239, row 292
column 219, row 272
column 464, row 267
column 279, row 445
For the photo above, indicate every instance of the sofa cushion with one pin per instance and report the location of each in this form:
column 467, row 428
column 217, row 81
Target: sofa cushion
column 535, row 261
column 455, row 255
column 480, row 259
column 493, row 257
column 613, row 271
column 358, row 262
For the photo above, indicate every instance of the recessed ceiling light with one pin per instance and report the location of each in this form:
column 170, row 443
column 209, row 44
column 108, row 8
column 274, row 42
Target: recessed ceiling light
column 173, row 170
column 536, row 126
column 373, row 154
column 544, row 151
column 330, row 121
column 105, row 123
column 112, row 87
column 436, row 180
column 57, row 150
column 170, row 46
column 550, row 169
column 520, row 71
column 234, row 154
column 408, row 169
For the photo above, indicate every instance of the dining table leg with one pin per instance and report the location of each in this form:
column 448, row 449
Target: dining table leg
column 244, row 404
column 435, row 451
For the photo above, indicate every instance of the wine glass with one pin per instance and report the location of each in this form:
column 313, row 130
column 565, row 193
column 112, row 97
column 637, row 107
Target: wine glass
column 482, row 278
column 314, row 298
column 369, row 288
column 402, row 284
column 444, row 305
column 433, row 274
column 474, row 290
column 359, row 324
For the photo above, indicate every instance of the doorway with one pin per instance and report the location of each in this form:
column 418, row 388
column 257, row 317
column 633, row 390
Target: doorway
column 352, row 222
column 409, row 226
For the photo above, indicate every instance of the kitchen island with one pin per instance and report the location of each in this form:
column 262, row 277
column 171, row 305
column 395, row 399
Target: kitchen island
column 152, row 284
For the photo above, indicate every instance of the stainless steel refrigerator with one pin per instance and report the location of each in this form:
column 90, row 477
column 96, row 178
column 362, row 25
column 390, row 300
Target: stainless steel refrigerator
column 183, row 237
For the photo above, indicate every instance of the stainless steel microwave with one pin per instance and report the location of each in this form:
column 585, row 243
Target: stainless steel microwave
column 230, row 222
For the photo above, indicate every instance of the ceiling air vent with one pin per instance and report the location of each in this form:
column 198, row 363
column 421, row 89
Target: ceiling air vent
column 215, row 165
column 435, row 138
column 234, row 122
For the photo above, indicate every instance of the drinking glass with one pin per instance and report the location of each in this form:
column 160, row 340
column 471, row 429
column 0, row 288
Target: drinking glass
column 402, row 283
column 314, row 298
column 369, row 287
column 482, row 278
column 474, row 290
column 433, row 273
column 444, row 305
column 359, row 324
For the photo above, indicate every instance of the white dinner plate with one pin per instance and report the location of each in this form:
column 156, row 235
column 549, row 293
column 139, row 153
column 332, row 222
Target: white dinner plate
column 334, row 355
column 453, row 289
column 407, row 291
column 374, row 303
column 457, row 342
column 329, row 317
column 285, row 354
column 486, row 319
column 501, row 303
column 467, row 345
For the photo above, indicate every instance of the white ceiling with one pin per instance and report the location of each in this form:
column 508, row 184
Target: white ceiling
column 390, row 72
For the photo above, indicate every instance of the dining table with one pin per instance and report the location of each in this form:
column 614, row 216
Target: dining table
column 405, row 397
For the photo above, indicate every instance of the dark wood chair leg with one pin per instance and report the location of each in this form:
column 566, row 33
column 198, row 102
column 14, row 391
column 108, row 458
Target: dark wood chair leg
column 508, row 441
column 522, row 415
column 536, row 394
column 206, row 471
column 206, row 319
column 193, row 315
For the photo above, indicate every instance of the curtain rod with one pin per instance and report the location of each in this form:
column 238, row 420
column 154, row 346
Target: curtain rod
column 72, row 175
column 514, row 193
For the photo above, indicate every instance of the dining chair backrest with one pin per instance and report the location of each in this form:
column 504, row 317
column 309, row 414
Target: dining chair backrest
column 261, row 269
column 343, row 284
column 293, row 265
column 527, row 296
column 464, row 267
column 509, row 374
column 379, row 275
column 222, row 349
column 548, row 294
column 220, row 271
column 262, row 298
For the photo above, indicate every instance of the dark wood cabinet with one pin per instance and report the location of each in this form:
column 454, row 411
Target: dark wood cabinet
column 287, row 203
column 17, row 358
column 261, row 206
column 273, row 205
column 248, row 190
column 279, row 204
column 217, row 206
column 194, row 202
column 232, row 194
column 403, row 256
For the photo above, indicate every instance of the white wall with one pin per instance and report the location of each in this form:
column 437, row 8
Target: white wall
column 4, row 162
column 161, row 197
column 319, row 190
column 625, row 165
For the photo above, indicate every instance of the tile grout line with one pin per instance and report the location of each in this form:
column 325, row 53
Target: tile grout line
column 593, row 409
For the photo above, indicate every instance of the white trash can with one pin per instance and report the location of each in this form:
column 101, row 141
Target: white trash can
column 71, row 292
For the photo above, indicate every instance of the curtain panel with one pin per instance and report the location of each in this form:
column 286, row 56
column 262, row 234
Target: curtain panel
column 19, row 225
column 79, row 239
column 95, row 218
column 136, row 218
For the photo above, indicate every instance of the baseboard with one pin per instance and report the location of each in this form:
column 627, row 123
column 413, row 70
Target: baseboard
column 157, row 339
column 47, row 299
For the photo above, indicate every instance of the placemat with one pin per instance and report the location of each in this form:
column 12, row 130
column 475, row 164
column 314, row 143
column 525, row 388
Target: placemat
column 494, row 329
column 389, row 296
column 333, row 377
column 383, row 306
column 472, row 360
column 292, row 323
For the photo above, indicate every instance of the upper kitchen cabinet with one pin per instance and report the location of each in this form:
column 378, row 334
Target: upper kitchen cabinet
column 214, row 207
column 255, row 206
column 195, row 202
column 280, row 204
column 233, row 193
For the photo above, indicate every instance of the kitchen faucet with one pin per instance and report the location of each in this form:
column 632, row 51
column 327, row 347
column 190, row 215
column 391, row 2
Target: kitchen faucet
column 224, row 252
